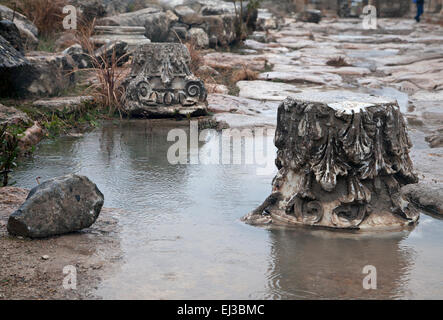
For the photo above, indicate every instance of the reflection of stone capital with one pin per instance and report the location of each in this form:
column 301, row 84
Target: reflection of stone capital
column 161, row 83
column 342, row 158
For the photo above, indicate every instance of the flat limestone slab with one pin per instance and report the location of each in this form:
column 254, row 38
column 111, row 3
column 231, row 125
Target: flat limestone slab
column 63, row 104
column 266, row 90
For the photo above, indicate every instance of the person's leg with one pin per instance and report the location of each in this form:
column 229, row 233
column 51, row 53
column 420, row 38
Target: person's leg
column 420, row 9
column 417, row 16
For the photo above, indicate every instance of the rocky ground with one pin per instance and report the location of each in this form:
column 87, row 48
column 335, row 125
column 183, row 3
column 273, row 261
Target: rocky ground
column 400, row 59
column 33, row 269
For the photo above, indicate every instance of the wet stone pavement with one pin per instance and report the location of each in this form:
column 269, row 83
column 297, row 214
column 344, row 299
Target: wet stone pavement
column 400, row 59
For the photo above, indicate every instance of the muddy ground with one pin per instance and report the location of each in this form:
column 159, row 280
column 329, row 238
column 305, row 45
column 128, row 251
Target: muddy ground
column 33, row 269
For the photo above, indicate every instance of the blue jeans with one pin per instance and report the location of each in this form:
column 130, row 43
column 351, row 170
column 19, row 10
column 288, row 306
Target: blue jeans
column 419, row 10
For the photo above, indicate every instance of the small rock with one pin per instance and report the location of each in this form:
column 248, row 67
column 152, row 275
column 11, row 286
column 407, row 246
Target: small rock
column 425, row 196
column 435, row 140
column 45, row 257
column 266, row 90
column 199, row 37
column 313, row 16
column 207, row 70
column 66, row 40
column 157, row 27
column 107, row 51
column 13, row 116
column 81, row 59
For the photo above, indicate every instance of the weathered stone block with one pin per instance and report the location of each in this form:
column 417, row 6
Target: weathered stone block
column 342, row 159
column 57, row 206
column 161, row 83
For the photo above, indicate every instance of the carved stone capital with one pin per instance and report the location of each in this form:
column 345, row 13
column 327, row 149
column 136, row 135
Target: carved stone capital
column 342, row 158
column 161, row 83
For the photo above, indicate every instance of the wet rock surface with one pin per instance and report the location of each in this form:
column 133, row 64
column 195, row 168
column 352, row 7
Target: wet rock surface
column 399, row 60
column 81, row 59
column 264, row 90
column 427, row 196
column 58, row 206
column 37, row 73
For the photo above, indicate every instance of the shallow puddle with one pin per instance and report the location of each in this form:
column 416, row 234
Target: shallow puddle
column 182, row 238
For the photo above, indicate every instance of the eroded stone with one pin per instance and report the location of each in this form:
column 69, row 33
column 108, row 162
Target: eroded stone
column 161, row 84
column 57, row 206
column 342, row 159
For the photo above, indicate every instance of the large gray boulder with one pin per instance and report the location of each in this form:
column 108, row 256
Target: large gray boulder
column 28, row 30
column 37, row 73
column 57, row 206
column 10, row 32
column 50, row 74
column 13, row 67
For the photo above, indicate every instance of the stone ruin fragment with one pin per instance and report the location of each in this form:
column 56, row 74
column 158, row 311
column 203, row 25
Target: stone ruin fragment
column 342, row 159
column 161, row 83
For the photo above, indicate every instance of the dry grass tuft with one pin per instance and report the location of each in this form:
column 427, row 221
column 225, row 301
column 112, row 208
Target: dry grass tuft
column 338, row 62
column 108, row 89
column 196, row 59
column 47, row 15
column 244, row 74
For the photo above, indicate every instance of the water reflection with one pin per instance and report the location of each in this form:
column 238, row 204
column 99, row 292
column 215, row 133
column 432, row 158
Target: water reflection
column 308, row 264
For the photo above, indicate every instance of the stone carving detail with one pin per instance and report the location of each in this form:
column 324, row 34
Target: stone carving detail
column 161, row 83
column 341, row 165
